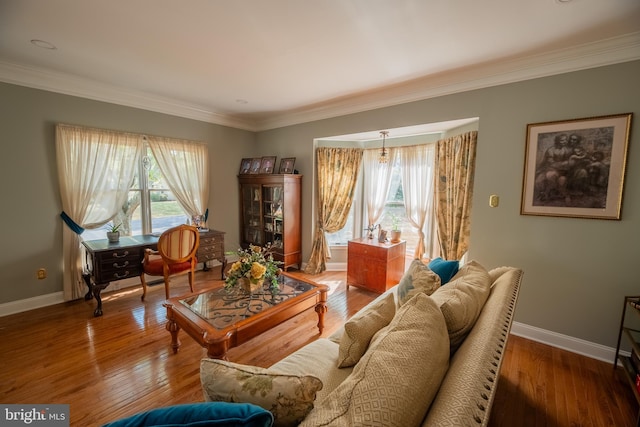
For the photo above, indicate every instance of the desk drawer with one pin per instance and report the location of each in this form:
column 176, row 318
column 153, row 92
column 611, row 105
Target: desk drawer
column 118, row 264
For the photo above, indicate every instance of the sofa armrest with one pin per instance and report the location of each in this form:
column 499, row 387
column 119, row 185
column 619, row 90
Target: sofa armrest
column 467, row 391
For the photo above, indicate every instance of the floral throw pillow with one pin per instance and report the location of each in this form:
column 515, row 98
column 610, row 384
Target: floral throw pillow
column 288, row 397
column 418, row 279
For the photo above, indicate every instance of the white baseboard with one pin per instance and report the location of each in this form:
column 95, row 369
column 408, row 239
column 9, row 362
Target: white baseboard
column 19, row 306
column 40, row 301
column 336, row 266
column 565, row 342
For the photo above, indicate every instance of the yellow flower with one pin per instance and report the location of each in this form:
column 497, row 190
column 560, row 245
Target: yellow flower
column 235, row 266
column 257, row 270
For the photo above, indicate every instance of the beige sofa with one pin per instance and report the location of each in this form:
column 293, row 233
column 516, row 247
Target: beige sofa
column 419, row 369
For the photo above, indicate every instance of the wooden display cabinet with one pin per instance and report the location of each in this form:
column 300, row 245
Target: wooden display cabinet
column 270, row 212
column 373, row 265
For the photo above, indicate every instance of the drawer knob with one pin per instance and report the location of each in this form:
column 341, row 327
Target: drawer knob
column 118, row 255
column 121, row 276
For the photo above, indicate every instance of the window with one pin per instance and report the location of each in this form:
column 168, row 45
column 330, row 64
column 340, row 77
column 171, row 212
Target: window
column 395, row 209
column 151, row 207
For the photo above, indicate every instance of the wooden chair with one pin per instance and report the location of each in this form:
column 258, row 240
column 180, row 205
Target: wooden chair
column 176, row 255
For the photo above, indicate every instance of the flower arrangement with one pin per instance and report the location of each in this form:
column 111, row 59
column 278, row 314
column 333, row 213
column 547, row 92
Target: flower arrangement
column 256, row 265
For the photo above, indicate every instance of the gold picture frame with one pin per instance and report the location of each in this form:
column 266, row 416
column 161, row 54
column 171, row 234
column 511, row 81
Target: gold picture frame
column 576, row 168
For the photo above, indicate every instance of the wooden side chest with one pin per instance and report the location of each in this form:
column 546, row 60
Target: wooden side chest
column 375, row 266
column 211, row 248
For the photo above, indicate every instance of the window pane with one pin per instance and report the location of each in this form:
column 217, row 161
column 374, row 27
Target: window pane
column 165, row 211
column 342, row 237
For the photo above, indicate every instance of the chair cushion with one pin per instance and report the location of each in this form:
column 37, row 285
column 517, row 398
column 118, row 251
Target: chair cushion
column 288, row 397
column 359, row 330
column 445, row 269
column 417, row 279
column 212, row 414
column 154, row 267
column 389, row 387
column 461, row 301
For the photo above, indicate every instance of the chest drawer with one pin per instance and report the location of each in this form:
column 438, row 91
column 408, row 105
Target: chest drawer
column 210, row 252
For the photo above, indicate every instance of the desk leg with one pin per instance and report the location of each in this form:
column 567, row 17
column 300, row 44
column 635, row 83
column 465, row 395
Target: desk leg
column 87, row 280
column 96, row 294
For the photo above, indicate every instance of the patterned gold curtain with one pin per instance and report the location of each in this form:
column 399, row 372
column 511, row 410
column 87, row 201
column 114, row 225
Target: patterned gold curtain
column 337, row 175
column 455, row 160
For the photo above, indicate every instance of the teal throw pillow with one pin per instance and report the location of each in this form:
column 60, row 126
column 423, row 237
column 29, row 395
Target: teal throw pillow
column 214, row 414
column 445, row 269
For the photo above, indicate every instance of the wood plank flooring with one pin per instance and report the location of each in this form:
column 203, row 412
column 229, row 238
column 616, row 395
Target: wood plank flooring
column 121, row 363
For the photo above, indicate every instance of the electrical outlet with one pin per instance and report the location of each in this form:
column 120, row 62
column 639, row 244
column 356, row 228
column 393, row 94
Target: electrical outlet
column 494, row 201
column 42, row 273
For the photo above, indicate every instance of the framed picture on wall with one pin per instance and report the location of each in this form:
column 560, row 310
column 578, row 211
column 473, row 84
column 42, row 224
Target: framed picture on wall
column 255, row 165
column 286, row 165
column 267, row 164
column 245, row 166
column 575, row 168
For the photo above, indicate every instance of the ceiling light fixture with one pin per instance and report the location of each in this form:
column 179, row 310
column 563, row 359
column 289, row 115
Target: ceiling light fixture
column 43, row 44
column 383, row 153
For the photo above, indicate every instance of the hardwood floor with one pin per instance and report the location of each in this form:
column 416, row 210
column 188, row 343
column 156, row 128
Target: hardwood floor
column 121, row 363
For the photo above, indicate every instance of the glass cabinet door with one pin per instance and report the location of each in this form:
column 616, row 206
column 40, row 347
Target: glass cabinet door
column 272, row 215
column 251, row 214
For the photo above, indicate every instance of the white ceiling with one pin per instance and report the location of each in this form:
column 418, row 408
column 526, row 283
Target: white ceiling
column 262, row 64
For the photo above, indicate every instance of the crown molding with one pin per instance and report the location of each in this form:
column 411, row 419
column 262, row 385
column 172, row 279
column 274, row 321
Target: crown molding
column 86, row 88
column 605, row 52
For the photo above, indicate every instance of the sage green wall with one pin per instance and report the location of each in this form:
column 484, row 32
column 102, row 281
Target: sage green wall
column 576, row 270
column 32, row 229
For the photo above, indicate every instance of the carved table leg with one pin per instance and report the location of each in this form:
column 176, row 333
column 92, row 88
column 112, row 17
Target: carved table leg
column 218, row 350
column 173, row 329
column 321, row 309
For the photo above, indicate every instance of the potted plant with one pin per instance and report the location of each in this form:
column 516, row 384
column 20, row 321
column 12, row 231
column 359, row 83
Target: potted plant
column 395, row 229
column 254, row 267
column 113, row 232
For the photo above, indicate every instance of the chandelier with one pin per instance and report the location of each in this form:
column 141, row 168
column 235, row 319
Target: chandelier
column 384, row 158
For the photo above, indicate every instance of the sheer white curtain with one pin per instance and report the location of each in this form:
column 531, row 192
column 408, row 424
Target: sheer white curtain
column 185, row 166
column 417, row 164
column 95, row 171
column 377, row 178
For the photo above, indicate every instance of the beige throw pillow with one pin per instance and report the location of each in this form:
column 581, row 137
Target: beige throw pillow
column 461, row 300
column 397, row 378
column 288, row 397
column 359, row 330
column 417, row 279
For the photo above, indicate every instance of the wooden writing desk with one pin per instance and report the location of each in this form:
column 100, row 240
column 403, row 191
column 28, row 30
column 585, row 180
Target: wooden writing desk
column 108, row 262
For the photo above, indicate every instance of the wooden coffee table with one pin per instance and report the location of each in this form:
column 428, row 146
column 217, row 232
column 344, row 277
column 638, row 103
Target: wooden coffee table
column 219, row 319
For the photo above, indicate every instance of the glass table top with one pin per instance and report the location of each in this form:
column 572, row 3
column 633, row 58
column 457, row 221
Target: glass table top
column 222, row 307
